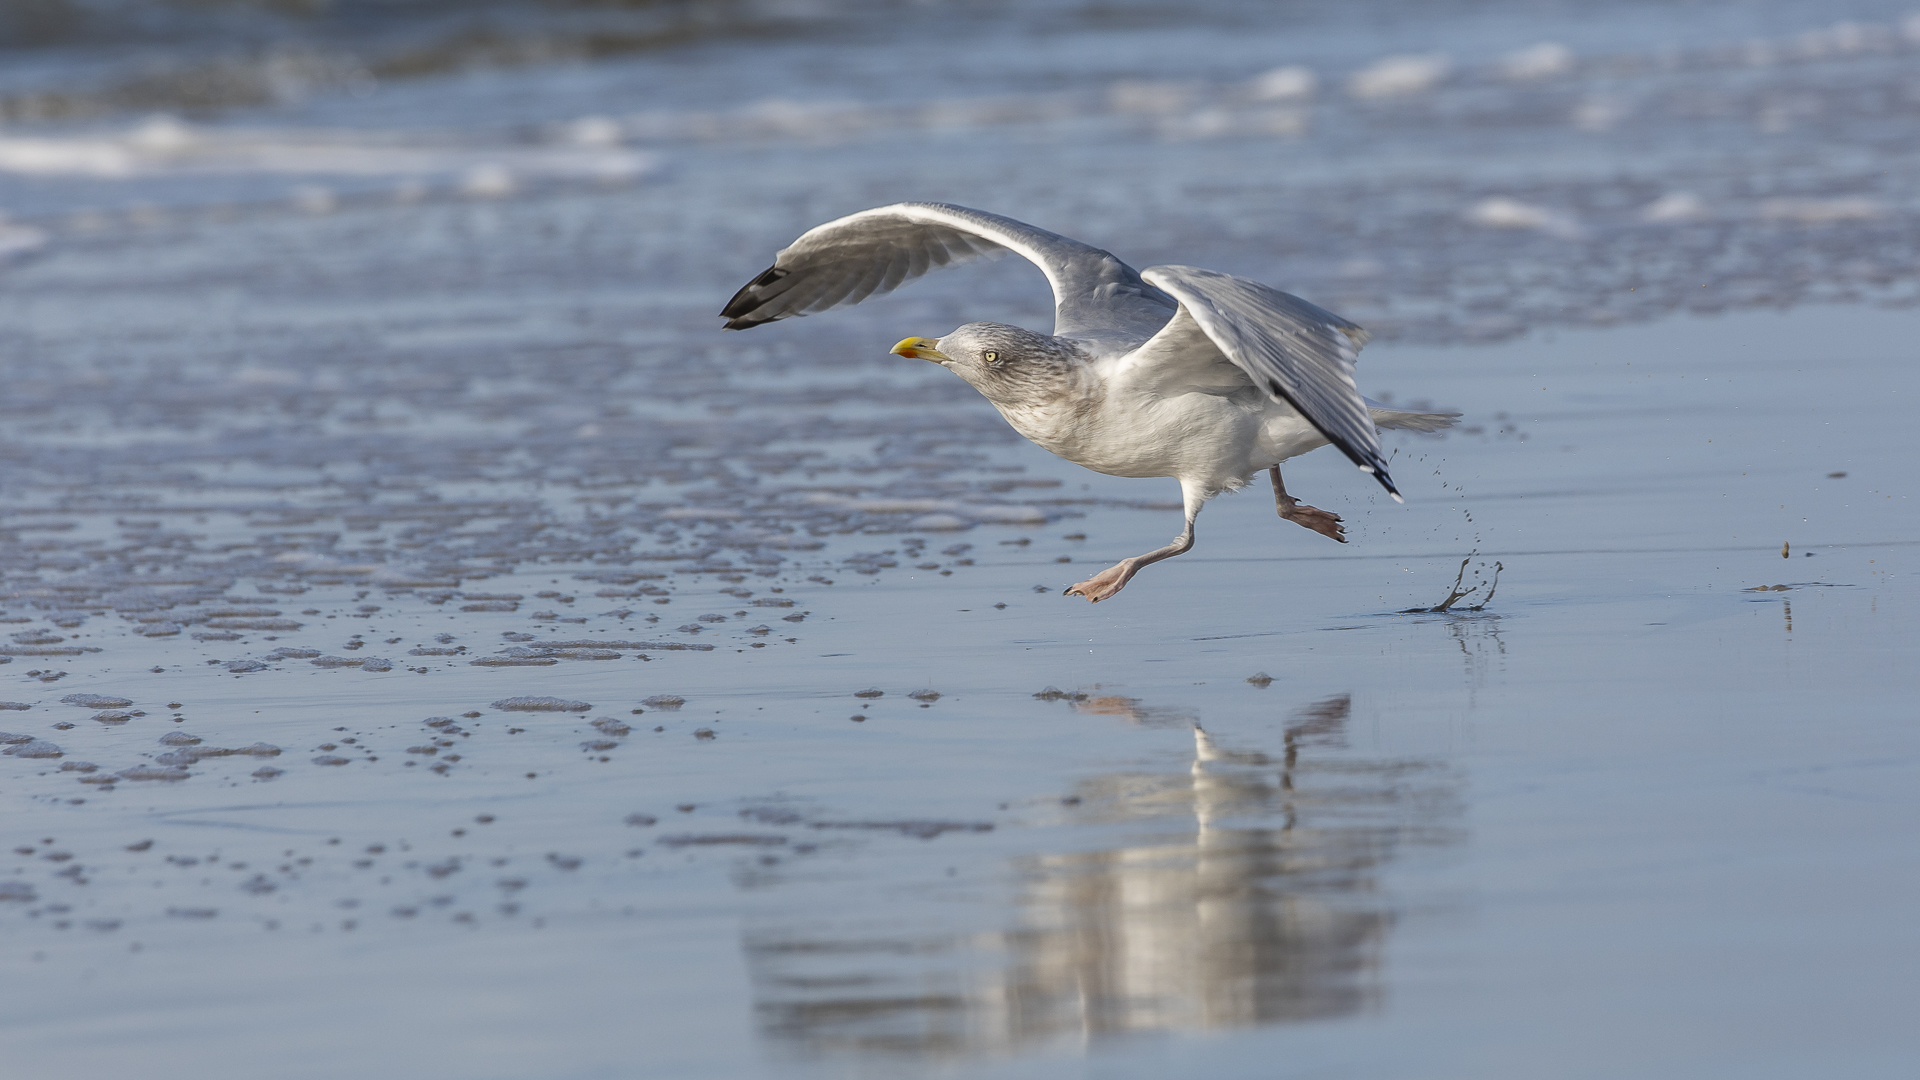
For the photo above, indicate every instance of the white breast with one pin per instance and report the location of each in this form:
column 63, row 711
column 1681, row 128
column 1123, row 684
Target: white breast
column 1215, row 439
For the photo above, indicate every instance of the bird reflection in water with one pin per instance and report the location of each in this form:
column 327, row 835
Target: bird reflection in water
column 1247, row 892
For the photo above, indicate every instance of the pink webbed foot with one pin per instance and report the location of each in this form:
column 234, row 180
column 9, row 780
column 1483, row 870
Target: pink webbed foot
column 1321, row 521
column 1105, row 583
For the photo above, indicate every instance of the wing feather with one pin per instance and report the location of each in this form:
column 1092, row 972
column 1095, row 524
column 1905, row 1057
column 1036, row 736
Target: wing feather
column 864, row 284
column 834, row 290
column 1096, row 296
column 900, row 264
column 801, row 295
column 1297, row 352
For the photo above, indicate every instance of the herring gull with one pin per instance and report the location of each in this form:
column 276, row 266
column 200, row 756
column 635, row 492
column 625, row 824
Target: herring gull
column 1171, row 371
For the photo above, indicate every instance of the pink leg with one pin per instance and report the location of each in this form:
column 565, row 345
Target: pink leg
column 1104, row 584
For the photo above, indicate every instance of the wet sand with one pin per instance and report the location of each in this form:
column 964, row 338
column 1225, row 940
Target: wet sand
column 431, row 647
column 1451, row 843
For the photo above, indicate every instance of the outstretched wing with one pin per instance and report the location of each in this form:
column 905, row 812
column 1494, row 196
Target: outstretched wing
column 1299, row 353
column 878, row 250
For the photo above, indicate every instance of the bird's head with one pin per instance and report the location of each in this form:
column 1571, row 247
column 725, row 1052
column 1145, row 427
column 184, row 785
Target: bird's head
column 999, row 360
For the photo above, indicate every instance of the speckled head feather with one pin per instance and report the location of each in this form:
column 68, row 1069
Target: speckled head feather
column 1012, row 366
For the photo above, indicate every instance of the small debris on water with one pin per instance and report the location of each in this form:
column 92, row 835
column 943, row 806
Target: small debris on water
column 34, row 748
column 95, row 701
column 1053, row 693
column 542, row 704
column 744, row 839
column 146, row 773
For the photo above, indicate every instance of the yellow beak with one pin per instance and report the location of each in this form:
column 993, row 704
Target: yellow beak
column 919, row 348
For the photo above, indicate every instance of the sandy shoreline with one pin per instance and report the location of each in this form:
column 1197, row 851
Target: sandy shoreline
column 919, row 882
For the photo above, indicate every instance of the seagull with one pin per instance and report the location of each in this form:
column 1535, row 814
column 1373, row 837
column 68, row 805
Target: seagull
column 1171, row 371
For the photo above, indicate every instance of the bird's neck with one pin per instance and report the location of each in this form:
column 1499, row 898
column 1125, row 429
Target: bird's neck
column 1052, row 408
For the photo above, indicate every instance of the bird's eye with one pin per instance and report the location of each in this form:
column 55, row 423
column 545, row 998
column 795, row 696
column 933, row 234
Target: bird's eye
column 990, row 357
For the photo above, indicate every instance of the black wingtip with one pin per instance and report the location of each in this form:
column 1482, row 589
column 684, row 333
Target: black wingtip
column 739, row 310
column 1380, row 473
column 1368, row 463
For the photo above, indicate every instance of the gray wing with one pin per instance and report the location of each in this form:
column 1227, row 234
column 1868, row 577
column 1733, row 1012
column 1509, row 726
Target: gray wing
column 1299, row 353
column 878, row 250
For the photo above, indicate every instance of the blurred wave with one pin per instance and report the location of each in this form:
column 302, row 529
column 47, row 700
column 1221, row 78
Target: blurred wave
column 163, row 145
column 1459, row 170
column 41, row 24
column 73, row 59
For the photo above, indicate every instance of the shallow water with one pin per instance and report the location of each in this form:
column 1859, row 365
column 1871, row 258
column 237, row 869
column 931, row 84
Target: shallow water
column 1645, row 809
